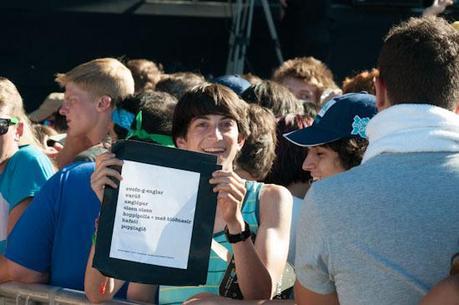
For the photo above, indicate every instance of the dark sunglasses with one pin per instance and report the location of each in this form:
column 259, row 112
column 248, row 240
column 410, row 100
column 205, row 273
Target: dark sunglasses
column 6, row 123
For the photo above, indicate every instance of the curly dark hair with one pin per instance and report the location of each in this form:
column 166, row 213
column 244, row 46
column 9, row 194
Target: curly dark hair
column 350, row 150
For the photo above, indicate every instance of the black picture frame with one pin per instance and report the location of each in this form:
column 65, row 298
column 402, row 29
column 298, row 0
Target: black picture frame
column 196, row 272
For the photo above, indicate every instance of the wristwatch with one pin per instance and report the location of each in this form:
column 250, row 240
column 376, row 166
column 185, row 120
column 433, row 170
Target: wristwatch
column 235, row 238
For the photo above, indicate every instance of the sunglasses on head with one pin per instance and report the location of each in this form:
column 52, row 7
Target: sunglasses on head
column 6, row 123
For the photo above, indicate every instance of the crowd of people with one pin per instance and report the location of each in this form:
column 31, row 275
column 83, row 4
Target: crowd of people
column 353, row 186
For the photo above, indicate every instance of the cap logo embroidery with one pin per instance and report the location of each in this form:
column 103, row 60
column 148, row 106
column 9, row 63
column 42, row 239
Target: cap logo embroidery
column 326, row 107
column 359, row 126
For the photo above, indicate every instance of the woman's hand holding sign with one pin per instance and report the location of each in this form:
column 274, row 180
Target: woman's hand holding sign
column 231, row 192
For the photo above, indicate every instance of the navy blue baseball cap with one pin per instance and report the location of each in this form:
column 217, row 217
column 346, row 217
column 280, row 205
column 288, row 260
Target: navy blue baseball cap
column 344, row 116
column 234, row 82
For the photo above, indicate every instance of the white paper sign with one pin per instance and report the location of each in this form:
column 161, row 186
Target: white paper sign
column 154, row 215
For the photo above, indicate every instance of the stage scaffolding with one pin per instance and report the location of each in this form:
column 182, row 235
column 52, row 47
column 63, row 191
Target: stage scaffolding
column 241, row 14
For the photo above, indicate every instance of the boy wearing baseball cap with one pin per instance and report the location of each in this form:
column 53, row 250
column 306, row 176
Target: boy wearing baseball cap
column 336, row 140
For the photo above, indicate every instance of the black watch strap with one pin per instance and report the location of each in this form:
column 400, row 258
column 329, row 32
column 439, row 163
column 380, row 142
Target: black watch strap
column 234, row 238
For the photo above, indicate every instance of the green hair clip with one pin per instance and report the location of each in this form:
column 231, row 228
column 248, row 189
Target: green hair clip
column 141, row 134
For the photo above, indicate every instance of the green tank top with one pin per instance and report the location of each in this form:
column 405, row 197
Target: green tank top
column 169, row 295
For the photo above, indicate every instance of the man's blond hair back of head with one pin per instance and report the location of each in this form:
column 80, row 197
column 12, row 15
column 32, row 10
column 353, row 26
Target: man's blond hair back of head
column 102, row 76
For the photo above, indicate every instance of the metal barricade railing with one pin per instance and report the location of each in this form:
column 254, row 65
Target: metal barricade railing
column 12, row 293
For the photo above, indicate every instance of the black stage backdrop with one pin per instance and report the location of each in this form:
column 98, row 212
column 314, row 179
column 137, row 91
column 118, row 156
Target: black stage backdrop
column 39, row 40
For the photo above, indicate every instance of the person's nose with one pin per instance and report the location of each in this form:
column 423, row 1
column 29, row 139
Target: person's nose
column 64, row 109
column 308, row 163
column 216, row 133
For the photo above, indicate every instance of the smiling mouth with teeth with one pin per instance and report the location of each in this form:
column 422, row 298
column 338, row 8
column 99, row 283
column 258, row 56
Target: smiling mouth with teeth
column 214, row 150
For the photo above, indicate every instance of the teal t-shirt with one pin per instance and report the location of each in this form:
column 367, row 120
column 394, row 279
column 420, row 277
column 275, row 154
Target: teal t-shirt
column 174, row 295
column 24, row 174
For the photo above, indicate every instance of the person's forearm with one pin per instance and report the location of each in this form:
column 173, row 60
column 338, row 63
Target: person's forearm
column 144, row 293
column 99, row 288
column 430, row 12
column 218, row 300
column 253, row 276
column 271, row 302
column 437, row 7
column 4, row 277
column 19, row 273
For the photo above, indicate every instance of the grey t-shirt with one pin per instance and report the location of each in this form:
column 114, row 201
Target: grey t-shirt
column 381, row 233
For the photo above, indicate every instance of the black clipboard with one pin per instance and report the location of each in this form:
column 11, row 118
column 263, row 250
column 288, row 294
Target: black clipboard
column 204, row 217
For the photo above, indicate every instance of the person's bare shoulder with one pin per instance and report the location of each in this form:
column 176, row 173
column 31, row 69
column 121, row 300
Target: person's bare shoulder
column 275, row 203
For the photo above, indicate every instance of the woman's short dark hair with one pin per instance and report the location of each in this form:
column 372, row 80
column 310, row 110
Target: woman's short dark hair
column 209, row 99
column 350, row 150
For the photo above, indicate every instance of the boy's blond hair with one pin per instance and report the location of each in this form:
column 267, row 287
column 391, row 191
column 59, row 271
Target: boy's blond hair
column 308, row 69
column 102, row 76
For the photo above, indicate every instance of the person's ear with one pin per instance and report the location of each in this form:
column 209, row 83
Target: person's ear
column 19, row 131
column 381, row 93
column 181, row 143
column 104, row 103
column 240, row 142
column 456, row 110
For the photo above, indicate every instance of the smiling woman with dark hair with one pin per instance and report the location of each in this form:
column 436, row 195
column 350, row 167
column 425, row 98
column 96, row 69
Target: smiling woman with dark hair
column 212, row 119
